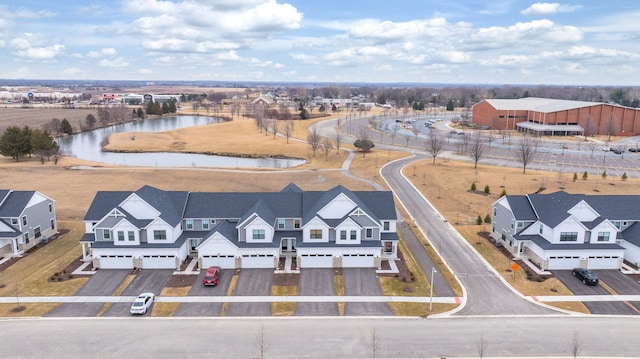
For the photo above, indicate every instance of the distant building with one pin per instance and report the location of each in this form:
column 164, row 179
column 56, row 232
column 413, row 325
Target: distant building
column 557, row 117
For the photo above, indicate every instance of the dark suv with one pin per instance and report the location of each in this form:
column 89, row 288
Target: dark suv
column 586, row 276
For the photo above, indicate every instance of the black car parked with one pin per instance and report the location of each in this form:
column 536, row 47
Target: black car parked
column 586, row 276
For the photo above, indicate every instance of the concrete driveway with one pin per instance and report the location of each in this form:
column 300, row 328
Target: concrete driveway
column 363, row 281
column 198, row 289
column 316, row 281
column 104, row 282
column 577, row 288
column 252, row 282
column 147, row 280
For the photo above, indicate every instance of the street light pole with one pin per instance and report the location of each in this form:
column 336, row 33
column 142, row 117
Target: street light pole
column 433, row 270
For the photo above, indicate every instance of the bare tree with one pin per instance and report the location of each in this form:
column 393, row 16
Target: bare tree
column 466, row 137
column 477, row 149
column 394, row 132
column 338, row 137
column 592, row 147
column 288, row 129
column 326, row 147
column 589, row 127
column 576, row 345
column 434, row 145
column 262, row 342
column 313, row 138
column 374, row 343
column 611, row 126
column 482, row 346
column 274, row 127
column 527, row 149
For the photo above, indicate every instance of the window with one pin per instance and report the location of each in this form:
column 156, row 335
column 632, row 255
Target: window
column 258, row 234
column 386, row 225
column 296, row 223
column 36, row 232
column 132, row 236
column 26, row 238
column 50, row 207
column 159, row 235
column 568, row 236
column 106, row 234
column 343, row 235
column 280, row 223
column 369, row 232
column 495, row 210
column 24, row 220
column 121, row 236
column 53, row 224
column 617, row 224
column 353, row 235
column 603, row 236
column 541, row 228
column 315, row 233
column 205, row 224
column 189, row 223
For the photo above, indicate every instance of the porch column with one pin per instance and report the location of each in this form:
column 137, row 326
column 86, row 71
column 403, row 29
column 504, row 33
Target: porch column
column 14, row 246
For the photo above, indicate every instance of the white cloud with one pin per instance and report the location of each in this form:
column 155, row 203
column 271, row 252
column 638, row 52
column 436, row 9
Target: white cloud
column 526, row 34
column 304, row 58
column 118, row 62
column 71, row 71
column 110, row 51
column 546, row 8
column 145, row 71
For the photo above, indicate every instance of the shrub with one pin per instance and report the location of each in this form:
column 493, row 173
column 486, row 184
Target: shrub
column 479, row 220
column 624, row 176
column 604, row 174
column 473, row 186
column 503, row 193
column 487, row 218
column 575, row 177
column 487, row 190
column 585, row 175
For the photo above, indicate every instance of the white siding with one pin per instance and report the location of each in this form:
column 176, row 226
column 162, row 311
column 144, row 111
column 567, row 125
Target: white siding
column 259, row 224
column 139, row 208
column 337, row 208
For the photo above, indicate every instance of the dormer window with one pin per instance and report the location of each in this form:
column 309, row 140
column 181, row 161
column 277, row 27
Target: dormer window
column 296, row 223
column 280, row 223
column 205, row 224
column 189, row 223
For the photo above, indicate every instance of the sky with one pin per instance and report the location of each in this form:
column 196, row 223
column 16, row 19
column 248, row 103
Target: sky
column 584, row 42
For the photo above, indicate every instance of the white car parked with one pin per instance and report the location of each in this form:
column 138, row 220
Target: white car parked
column 142, row 303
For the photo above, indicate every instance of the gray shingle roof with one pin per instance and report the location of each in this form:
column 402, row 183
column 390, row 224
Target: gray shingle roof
column 12, row 233
column 171, row 204
column 546, row 245
column 15, row 202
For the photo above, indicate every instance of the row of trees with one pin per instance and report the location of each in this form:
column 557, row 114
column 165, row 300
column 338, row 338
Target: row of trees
column 157, row 108
column 18, row 142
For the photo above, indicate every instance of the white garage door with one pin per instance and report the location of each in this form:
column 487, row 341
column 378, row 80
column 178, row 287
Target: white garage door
column 258, row 261
column 316, row 261
column 159, row 262
column 563, row 262
column 116, row 262
column 604, row 262
column 222, row 261
column 358, row 260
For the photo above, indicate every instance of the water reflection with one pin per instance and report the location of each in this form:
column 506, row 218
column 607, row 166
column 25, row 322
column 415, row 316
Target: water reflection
column 86, row 146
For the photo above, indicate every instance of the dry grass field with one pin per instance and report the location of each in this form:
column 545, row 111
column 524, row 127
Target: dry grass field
column 35, row 117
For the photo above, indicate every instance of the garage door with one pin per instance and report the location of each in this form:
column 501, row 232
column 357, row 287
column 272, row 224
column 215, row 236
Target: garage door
column 258, row 261
column 604, row 262
column 222, row 261
column 316, row 261
column 358, row 260
column 563, row 262
column 158, row 262
column 116, row 262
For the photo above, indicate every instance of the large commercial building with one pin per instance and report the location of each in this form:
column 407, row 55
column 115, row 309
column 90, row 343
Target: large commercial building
column 557, row 117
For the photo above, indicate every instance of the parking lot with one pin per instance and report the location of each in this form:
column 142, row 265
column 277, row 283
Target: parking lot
column 618, row 282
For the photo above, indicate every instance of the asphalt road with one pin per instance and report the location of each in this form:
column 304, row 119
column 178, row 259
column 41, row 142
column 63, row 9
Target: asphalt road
column 103, row 282
column 198, row 289
column 316, row 281
column 483, row 285
column 252, row 282
column 231, row 338
column 363, row 281
column 150, row 280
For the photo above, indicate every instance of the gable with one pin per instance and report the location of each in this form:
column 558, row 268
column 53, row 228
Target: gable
column 337, row 208
column 583, row 212
column 139, row 208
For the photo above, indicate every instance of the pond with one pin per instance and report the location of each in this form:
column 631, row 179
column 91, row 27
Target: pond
column 86, row 146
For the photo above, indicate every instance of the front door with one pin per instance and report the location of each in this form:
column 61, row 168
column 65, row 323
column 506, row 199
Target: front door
column 288, row 245
column 193, row 243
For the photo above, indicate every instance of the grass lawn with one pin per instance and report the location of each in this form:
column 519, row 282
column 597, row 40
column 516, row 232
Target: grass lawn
column 30, row 275
column 338, row 284
column 167, row 309
column 283, row 308
column 230, row 291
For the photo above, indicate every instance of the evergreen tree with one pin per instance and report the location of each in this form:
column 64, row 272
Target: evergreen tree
column 503, row 193
column 13, row 143
column 575, row 177
column 585, row 175
column 65, row 127
column 487, row 190
column 473, row 186
column 487, row 218
column 165, row 108
column 479, row 220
